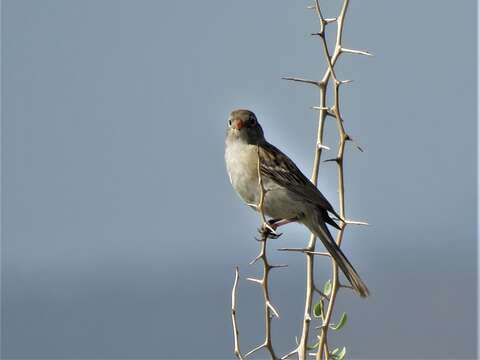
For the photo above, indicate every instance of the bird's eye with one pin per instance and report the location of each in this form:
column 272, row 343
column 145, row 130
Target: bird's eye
column 229, row 122
column 252, row 121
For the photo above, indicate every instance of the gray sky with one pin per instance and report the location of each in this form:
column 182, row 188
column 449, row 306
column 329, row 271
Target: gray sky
column 120, row 229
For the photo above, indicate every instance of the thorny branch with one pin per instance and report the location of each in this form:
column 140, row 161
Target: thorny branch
column 309, row 251
column 269, row 310
column 334, row 112
column 266, row 232
column 323, row 350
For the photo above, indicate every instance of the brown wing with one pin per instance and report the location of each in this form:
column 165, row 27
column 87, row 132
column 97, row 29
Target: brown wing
column 279, row 168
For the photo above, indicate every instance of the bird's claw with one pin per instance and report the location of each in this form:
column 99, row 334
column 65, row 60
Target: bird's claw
column 267, row 233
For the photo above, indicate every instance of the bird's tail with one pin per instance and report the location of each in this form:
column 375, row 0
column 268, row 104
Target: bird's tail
column 321, row 231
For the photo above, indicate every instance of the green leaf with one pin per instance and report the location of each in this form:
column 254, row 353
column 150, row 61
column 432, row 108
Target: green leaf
column 338, row 354
column 317, row 309
column 314, row 347
column 341, row 354
column 327, row 288
column 334, row 351
column 341, row 323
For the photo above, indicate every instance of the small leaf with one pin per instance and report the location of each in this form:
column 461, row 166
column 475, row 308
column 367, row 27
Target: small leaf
column 314, row 347
column 327, row 288
column 334, row 354
column 341, row 323
column 318, row 308
column 341, row 354
column 334, row 351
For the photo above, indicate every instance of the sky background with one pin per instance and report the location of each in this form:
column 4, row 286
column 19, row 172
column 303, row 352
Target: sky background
column 120, row 229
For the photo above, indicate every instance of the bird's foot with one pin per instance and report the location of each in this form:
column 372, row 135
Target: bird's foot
column 267, row 231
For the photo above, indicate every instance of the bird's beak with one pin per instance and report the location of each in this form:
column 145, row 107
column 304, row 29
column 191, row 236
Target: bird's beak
column 238, row 124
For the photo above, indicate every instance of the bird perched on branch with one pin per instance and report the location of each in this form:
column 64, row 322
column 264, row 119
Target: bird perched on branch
column 289, row 196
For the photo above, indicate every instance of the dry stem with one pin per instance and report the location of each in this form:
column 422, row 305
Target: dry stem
column 270, row 310
column 236, row 339
column 325, row 111
column 343, row 138
column 309, row 251
column 266, row 232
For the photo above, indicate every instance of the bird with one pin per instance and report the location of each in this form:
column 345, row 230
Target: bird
column 288, row 195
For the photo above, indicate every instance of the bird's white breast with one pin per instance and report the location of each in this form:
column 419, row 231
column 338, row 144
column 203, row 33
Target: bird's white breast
column 242, row 167
column 241, row 161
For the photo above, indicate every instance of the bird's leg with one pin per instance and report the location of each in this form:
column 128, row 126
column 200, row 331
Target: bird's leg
column 272, row 222
column 276, row 223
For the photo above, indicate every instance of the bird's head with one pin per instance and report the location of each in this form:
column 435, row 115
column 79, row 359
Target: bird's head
column 243, row 125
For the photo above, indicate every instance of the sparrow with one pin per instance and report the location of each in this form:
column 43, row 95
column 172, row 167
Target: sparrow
column 289, row 196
